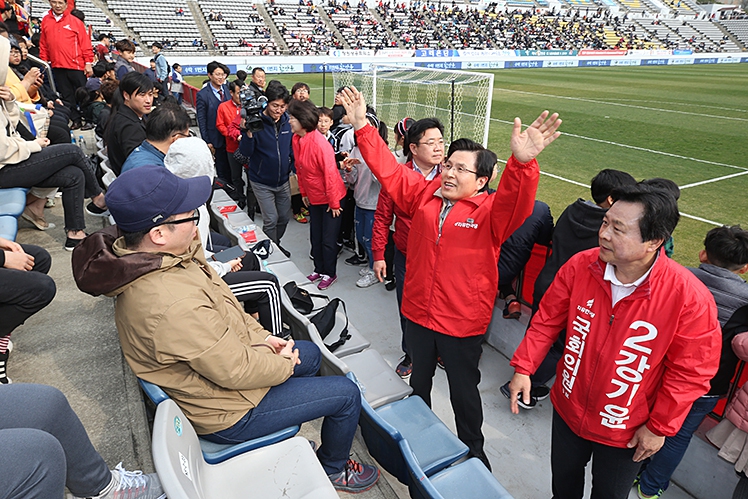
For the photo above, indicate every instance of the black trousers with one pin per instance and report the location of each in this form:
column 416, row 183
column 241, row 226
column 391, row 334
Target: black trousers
column 460, row 356
column 24, row 293
column 323, row 232
column 223, row 168
column 613, row 469
column 68, row 81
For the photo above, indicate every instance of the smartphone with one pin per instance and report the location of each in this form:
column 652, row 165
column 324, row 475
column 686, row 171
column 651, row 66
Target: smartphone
column 229, row 254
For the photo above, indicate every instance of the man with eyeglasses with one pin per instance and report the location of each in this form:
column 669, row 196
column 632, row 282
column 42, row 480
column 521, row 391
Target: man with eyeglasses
column 271, row 163
column 181, row 328
column 167, row 124
column 206, row 108
column 453, row 249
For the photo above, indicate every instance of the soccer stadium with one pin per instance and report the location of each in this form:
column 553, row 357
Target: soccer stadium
column 206, row 204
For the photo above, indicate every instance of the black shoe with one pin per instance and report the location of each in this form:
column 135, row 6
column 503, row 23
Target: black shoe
column 70, row 244
column 356, row 260
column 389, row 285
column 284, row 251
column 94, row 210
column 4, row 379
column 539, row 392
column 349, row 244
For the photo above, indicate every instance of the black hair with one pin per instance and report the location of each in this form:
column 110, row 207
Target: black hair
column 416, row 131
column 175, row 66
column 102, row 36
column 298, row 86
column 255, row 70
column 134, row 239
column 100, row 69
column 233, row 86
column 79, row 14
column 108, row 89
column 340, row 90
column 663, row 183
column 325, row 111
column 485, row 159
column 4, row 28
column 133, row 83
column 464, row 145
column 305, row 112
column 660, row 210
column 213, row 65
column 166, row 120
column 727, row 247
column 124, row 45
column 276, row 90
column 605, row 181
column 157, row 45
column 382, row 129
column 241, row 75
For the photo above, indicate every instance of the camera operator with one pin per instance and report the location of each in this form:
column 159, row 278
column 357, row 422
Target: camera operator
column 271, row 162
column 206, row 108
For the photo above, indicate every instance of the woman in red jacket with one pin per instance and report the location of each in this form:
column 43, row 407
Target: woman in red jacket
column 321, row 188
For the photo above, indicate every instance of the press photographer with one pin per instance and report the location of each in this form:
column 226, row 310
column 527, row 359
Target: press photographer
column 270, row 161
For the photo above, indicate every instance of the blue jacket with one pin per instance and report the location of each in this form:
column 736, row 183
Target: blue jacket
column 162, row 67
column 269, row 152
column 144, row 154
column 206, row 108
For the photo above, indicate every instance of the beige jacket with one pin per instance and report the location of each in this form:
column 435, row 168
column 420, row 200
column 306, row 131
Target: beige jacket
column 13, row 148
column 181, row 328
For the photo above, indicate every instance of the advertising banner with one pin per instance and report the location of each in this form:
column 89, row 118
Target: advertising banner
column 395, row 53
column 351, row 53
column 523, row 64
column 654, row 62
column 486, row 53
column 439, row 65
column 567, row 63
column 601, row 53
column 436, row 53
column 195, row 70
column 705, row 60
column 332, row 67
column 594, row 62
column 544, row 53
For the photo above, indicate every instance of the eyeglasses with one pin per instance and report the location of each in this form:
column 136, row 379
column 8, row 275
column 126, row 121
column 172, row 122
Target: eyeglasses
column 182, row 134
column 432, row 143
column 458, row 169
column 195, row 218
column 218, row 75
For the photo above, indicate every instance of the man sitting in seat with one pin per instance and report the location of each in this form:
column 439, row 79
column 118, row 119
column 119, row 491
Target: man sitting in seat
column 181, row 328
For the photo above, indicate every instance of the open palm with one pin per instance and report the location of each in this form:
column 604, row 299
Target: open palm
column 527, row 144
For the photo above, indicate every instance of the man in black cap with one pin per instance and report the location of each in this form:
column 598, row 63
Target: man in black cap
column 181, row 328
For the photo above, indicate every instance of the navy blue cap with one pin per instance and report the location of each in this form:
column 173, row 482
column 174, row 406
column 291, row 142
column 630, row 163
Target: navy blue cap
column 143, row 197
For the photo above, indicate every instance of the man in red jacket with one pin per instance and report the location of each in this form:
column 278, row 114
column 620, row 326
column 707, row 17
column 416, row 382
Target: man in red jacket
column 453, row 249
column 642, row 343
column 65, row 44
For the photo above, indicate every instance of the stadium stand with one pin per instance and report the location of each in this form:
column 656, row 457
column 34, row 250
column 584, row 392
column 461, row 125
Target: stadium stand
column 156, row 20
column 239, row 27
column 637, row 6
column 361, row 29
column 737, row 28
column 703, row 36
column 411, row 26
column 95, row 18
column 302, row 27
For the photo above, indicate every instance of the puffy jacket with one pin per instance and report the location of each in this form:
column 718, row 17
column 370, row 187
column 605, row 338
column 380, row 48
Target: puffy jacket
column 366, row 187
column 737, row 411
column 225, row 115
column 319, row 179
column 452, row 266
column 122, row 66
column 269, row 152
column 181, row 328
column 65, row 43
column 644, row 361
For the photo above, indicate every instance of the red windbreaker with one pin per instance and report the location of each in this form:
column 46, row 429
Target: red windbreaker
column 319, row 179
column 65, row 43
column 644, row 361
column 226, row 114
column 452, row 270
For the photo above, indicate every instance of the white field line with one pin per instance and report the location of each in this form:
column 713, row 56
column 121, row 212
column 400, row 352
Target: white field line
column 595, row 101
column 681, row 104
column 695, row 184
column 692, row 217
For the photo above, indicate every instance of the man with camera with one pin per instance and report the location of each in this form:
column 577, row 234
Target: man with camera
column 271, row 162
column 206, row 108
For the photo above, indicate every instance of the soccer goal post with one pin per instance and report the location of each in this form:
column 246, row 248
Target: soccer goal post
column 461, row 100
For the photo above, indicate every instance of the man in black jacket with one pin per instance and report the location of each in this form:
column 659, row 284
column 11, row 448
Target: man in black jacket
column 126, row 129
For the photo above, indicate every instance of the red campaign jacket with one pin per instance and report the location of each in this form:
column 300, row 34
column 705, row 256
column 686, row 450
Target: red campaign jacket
column 386, row 209
column 644, row 361
column 452, row 273
column 226, row 114
column 319, row 179
column 66, row 43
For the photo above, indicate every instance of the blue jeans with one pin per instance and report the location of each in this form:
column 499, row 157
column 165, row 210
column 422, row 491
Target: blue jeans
column 364, row 227
column 657, row 473
column 301, row 398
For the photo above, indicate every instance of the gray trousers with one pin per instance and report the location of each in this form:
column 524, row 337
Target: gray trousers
column 44, row 447
column 275, row 203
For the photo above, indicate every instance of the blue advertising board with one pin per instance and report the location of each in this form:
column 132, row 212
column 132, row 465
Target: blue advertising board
column 654, row 62
column 332, row 67
column 523, row 64
column 439, row 65
column 593, row 62
column 705, row 60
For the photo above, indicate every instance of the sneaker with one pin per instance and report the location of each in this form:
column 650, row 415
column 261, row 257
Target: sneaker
column 540, row 392
column 368, row 279
column 314, row 277
column 405, row 367
column 94, row 210
column 642, row 495
column 513, row 309
column 133, row 485
column 364, row 271
column 349, row 245
column 4, row 379
column 326, row 282
column 70, row 244
column 304, row 211
column 440, row 362
column 533, row 401
column 299, row 217
column 355, row 477
column 390, row 284
column 50, row 203
column 284, row 251
column 356, row 260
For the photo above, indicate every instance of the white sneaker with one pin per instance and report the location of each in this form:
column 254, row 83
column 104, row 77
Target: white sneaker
column 368, row 279
column 364, row 271
column 132, row 485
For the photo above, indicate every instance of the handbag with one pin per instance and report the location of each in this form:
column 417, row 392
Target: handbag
column 324, row 320
column 301, row 299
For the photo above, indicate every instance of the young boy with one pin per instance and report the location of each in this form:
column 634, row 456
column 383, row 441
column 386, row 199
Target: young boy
column 724, row 257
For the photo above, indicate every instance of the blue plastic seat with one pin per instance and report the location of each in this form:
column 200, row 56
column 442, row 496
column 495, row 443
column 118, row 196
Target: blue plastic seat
column 214, row 453
column 435, row 446
column 12, row 201
column 8, row 227
column 469, row 479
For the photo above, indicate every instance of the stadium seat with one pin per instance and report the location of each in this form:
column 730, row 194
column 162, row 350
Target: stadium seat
column 288, row 469
column 8, row 227
column 214, row 453
column 12, row 201
column 435, row 446
column 469, row 479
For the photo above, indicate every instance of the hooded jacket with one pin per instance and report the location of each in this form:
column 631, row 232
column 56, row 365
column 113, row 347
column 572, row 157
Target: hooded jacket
column 643, row 361
column 181, row 328
column 269, row 152
column 13, row 148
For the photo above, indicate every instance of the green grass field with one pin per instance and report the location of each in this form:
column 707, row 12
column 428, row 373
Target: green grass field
column 686, row 123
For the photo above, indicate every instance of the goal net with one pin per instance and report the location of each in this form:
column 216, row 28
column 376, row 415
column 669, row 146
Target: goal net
column 461, row 100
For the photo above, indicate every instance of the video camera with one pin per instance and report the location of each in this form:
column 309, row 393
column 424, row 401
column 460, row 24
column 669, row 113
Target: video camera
column 252, row 107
